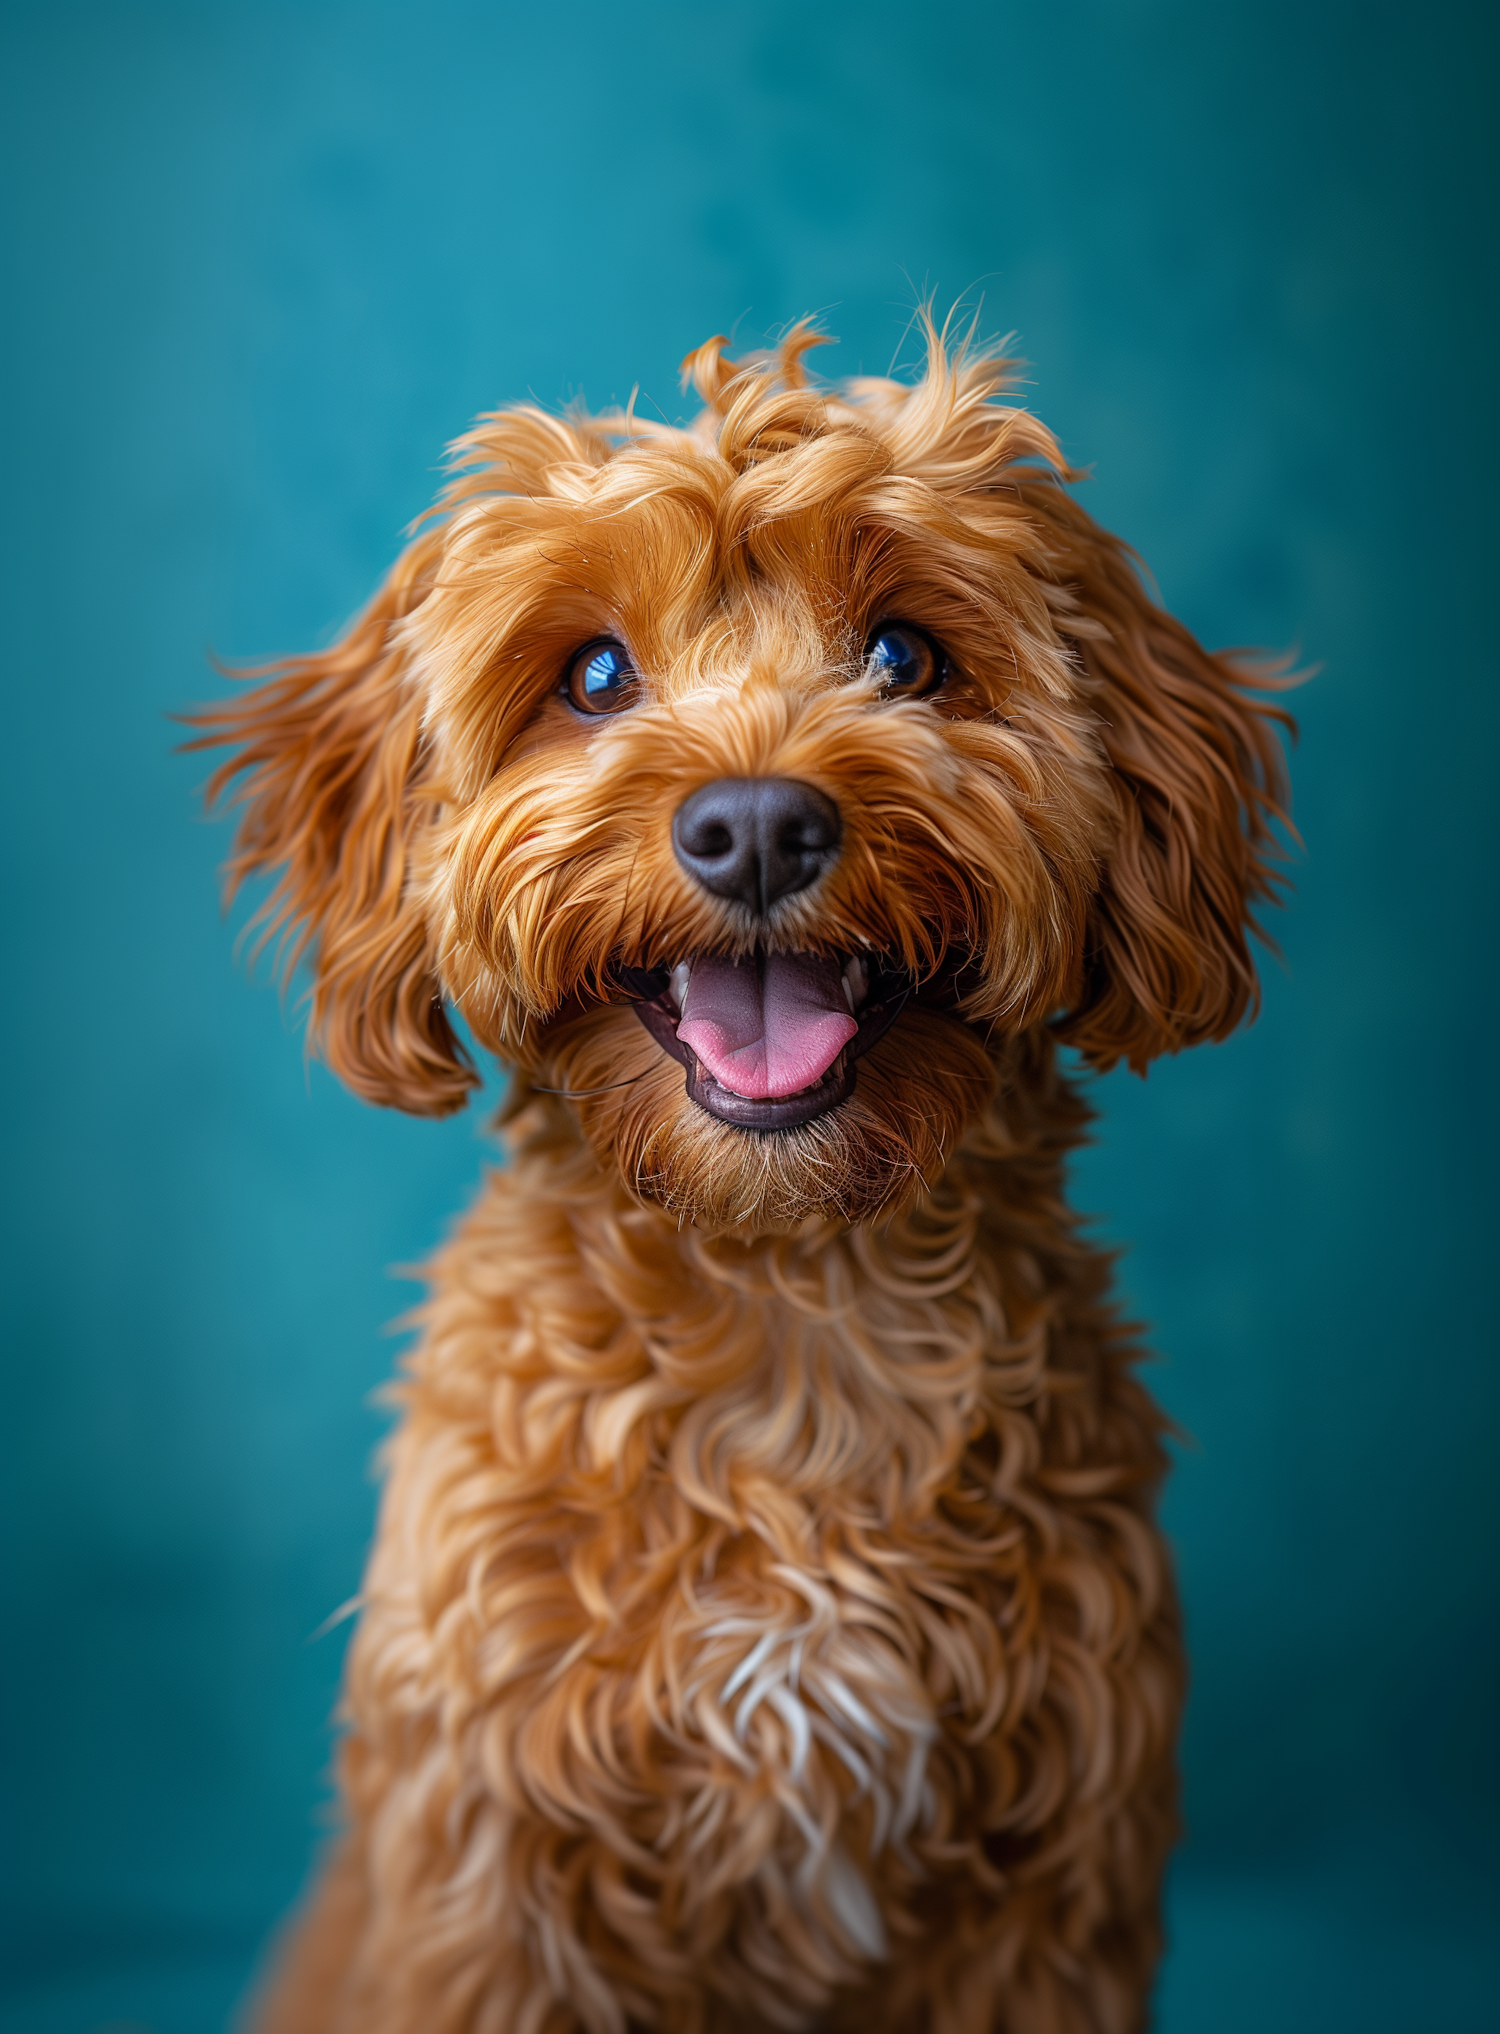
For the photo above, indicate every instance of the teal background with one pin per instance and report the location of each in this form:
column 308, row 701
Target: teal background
column 260, row 263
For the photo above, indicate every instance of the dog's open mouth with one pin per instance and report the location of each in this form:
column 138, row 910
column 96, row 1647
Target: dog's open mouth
column 770, row 1040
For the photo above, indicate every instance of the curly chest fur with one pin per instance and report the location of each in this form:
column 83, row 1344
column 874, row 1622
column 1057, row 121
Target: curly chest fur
column 735, row 1602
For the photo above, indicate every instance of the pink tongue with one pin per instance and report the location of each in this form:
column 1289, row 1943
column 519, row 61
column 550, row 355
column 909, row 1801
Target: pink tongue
column 769, row 1026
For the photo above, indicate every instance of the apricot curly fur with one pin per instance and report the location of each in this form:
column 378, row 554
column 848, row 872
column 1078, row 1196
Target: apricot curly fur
column 767, row 1626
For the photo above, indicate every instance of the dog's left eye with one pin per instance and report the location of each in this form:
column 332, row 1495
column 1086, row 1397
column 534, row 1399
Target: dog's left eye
column 905, row 660
column 601, row 678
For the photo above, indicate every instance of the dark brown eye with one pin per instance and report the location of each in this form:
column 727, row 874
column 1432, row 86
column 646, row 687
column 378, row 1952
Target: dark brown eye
column 601, row 678
column 905, row 660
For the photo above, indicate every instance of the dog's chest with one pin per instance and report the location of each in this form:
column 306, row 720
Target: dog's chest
column 709, row 1595
column 756, row 1600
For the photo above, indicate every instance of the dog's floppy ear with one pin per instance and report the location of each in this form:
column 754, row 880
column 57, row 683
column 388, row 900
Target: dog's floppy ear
column 1198, row 781
column 329, row 782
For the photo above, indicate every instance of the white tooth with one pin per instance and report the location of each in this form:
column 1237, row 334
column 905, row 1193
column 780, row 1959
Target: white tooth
column 677, row 983
column 856, row 982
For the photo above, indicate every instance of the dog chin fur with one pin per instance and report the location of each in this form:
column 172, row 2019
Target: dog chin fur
column 767, row 1626
column 914, row 1093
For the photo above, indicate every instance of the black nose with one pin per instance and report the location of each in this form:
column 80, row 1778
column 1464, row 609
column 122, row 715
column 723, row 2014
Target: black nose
column 756, row 838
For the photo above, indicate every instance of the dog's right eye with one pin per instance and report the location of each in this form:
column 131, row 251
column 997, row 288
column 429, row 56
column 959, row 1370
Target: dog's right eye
column 601, row 678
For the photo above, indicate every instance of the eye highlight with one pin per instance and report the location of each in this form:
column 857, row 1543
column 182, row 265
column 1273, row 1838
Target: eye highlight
column 601, row 678
column 905, row 660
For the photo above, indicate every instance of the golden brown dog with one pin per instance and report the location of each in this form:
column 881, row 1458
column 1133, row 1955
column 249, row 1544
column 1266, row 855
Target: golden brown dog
column 767, row 1626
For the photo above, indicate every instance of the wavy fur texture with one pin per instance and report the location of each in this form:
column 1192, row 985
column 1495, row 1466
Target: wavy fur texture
column 767, row 1626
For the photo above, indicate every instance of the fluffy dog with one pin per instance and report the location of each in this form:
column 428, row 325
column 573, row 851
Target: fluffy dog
column 767, row 1626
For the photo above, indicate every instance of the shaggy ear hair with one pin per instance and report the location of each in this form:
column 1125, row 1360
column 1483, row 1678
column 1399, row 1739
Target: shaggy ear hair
column 330, row 791
column 1198, row 779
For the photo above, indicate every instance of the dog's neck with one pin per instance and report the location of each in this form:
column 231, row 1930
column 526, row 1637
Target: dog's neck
column 843, row 1367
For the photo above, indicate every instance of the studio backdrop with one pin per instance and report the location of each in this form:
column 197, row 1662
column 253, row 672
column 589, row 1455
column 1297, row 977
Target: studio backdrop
column 262, row 262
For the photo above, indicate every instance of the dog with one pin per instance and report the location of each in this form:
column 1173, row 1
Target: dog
column 767, row 1626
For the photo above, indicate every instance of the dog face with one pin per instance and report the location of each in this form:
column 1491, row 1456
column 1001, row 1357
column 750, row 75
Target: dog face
column 754, row 784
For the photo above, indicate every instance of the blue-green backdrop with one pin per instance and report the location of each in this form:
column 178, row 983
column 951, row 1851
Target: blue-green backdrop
column 261, row 262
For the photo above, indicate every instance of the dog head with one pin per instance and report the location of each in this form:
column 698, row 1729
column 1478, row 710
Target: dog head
column 753, row 784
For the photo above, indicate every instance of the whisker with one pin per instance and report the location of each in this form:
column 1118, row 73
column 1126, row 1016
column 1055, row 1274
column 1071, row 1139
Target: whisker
column 583, row 1094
